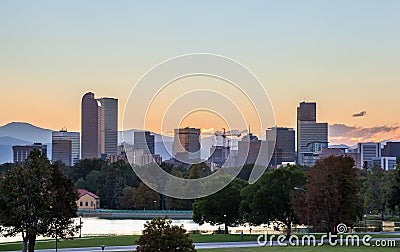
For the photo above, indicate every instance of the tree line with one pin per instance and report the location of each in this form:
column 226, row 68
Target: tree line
column 323, row 196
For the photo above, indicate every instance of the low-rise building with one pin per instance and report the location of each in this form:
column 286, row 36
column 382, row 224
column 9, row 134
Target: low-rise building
column 87, row 200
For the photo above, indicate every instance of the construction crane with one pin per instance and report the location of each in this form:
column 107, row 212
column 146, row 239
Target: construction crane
column 224, row 135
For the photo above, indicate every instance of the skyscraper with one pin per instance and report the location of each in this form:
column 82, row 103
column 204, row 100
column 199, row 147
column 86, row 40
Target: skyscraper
column 284, row 150
column 143, row 140
column 74, row 137
column 61, row 150
column 311, row 136
column 99, row 126
column 90, row 127
column 248, row 149
column 186, row 146
column 108, row 125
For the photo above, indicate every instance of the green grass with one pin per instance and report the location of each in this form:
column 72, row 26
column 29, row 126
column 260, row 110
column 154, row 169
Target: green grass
column 127, row 240
column 306, row 249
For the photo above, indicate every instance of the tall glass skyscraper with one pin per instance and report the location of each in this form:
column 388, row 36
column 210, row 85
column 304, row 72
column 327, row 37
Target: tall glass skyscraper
column 89, row 127
column 311, row 136
column 108, row 125
column 99, row 126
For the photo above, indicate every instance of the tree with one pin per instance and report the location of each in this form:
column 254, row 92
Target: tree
column 113, row 188
column 145, row 198
column 221, row 206
column 6, row 167
column 199, row 171
column 378, row 190
column 37, row 199
column 269, row 200
column 333, row 194
column 160, row 235
column 126, row 200
column 394, row 197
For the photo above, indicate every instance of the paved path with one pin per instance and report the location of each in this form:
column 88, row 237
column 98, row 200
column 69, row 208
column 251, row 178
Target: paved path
column 207, row 245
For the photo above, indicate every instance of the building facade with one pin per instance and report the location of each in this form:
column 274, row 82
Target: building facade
column 61, row 150
column 284, row 150
column 312, row 137
column 21, row 152
column 248, row 149
column 99, row 127
column 89, row 127
column 144, row 140
column 108, row 125
column 186, row 146
column 87, row 200
column 386, row 163
column 74, row 137
column 391, row 149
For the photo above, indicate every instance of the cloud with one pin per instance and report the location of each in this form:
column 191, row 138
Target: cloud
column 341, row 133
column 361, row 114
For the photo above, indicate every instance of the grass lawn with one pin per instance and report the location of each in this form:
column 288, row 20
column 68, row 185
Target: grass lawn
column 128, row 240
column 306, row 249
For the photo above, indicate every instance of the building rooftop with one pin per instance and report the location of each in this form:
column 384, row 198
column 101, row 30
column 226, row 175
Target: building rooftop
column 82, row 192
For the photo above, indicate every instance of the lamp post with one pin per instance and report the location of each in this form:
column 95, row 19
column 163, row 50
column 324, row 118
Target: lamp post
column 155, row 204
column 226, row 227
column 80, row 227
column 308, row 214
column 365, row 223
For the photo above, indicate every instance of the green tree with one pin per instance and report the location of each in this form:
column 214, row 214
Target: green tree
column 5, row 168
column 333, row 194
column 394, row 195
column 160, row 235
column 269, row 200
column 200, row 170
column 145, row 198
column 93, row 181
column 126, row 201
column 378, row 190
column 221, row 206
column 37, row 199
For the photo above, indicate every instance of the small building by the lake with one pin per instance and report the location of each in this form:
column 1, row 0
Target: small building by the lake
column 87, row 200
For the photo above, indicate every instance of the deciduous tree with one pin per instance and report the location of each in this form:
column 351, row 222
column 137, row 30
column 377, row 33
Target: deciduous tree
column 160, row 235
column 37, row 199
column 333, row 194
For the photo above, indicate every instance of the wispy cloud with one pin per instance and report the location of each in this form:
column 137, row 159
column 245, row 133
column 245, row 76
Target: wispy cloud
column 341, row 133
column 361, row 114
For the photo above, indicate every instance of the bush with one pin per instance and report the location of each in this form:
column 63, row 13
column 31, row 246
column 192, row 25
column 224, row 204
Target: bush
column 160, row 235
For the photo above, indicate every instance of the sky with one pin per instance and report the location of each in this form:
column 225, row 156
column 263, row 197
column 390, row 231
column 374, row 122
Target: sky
column 344, row 55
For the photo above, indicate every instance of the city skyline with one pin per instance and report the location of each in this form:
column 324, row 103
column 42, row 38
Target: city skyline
column 344, row 56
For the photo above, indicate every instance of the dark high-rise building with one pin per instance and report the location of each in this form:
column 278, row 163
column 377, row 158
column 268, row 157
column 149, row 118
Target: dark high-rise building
column 186, row 147
column 143, row 140
column 61, row 150
column 312, row 137
column 20, row 153
column 108, row 125
column 307, row 111
column 391, row 149
column 248, row 149
column 90, row 127
column 284, row 150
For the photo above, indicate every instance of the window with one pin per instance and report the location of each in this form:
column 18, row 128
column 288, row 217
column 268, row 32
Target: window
column 91, row 203
column 80, row 203
column 86, row 203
